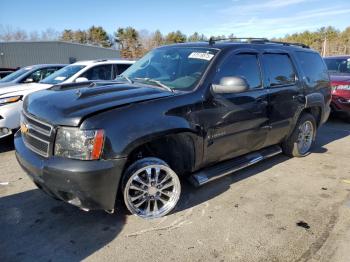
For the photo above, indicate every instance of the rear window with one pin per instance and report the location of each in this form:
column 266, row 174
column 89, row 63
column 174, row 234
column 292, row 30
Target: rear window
column 279, row 69
column 338, row 65
column 313, row 67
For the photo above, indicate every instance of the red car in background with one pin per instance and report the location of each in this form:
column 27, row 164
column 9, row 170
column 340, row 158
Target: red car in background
column 339, row 71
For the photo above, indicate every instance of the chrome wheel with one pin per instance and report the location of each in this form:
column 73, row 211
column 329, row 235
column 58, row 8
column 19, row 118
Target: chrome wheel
column 305, row 137
column 152, row 191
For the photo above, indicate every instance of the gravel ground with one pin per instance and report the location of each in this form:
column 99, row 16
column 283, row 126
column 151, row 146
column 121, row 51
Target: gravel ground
column 283, row 209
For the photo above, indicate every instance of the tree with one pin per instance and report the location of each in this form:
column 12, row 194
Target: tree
column 98, row 36
column 67, row 35
column 175, row 37
column 157, row 39
column 80, row 36
column 50, row 34
column 129, row 42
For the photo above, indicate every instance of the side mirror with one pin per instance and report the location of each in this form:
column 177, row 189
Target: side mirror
column 81, row 79
column 232, row 84
column 29, row 80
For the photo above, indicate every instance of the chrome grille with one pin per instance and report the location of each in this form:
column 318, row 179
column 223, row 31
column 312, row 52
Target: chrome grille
column 38, row 135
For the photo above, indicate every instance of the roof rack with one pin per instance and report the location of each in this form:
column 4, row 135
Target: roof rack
column 254, row 40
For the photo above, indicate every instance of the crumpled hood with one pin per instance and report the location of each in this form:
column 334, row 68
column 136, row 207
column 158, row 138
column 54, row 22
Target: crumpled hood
column 68, row 106
column 21, row 89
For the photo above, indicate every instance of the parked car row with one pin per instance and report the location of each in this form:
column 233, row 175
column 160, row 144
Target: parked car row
column 198, row 111
column 16, row 86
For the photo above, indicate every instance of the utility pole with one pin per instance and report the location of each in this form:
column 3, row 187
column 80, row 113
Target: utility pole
column 324, row 47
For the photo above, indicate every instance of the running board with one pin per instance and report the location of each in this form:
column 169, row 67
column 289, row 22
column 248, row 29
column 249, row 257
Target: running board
column 222, row 169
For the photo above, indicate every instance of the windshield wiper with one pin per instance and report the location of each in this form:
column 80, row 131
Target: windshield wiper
column 127, row 78
column 160, row 84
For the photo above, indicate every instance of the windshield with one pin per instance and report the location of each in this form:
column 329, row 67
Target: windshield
column 338, row 65
column 15, row 74
column 171, row 67
column 62, row 74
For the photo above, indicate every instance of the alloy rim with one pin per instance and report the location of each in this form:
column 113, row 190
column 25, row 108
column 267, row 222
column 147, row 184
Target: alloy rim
column 152, row 191
column 305, row 138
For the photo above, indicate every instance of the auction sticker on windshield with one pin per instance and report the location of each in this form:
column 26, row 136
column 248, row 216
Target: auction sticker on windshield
column 199, row 55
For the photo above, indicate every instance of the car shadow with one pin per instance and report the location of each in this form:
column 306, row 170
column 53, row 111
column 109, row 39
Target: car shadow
column 6, row 144
column 35, row 227
column 331, row 131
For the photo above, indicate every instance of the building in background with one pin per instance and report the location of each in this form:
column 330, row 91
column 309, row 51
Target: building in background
column 18, row 54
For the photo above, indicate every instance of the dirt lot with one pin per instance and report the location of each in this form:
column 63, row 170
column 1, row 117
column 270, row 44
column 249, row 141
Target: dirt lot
column 280, row 210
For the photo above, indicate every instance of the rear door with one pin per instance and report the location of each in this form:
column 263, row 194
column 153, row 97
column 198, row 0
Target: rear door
column 236, row 122
column 285, row 93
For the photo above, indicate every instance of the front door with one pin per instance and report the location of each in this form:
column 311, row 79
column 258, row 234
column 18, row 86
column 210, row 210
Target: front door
column 236, row 123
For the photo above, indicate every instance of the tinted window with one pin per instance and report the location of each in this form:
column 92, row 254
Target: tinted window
column 122, row 68
column 101, row 72
column 313, row 67
column 242, row 65
column 279, row 69
column 338, row 65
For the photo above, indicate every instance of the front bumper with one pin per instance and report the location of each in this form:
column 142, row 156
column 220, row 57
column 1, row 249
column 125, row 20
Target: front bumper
column 341, row 106
column 9, row 118
column 87, row 184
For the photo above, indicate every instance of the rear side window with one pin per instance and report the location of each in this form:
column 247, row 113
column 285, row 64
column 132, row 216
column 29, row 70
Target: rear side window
column 279, row 69
column 242, row 65
column 100, row 72
column 313, row 67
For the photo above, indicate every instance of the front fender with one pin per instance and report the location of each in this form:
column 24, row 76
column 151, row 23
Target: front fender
column 129, row 127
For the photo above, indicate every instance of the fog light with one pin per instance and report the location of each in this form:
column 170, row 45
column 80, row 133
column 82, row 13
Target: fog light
column 4, row 131
column 75, row 201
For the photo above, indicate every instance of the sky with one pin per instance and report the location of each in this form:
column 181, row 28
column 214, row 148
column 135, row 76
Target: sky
column 243, row 18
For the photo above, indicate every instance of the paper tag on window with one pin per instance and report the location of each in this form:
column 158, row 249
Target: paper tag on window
column 203, row 56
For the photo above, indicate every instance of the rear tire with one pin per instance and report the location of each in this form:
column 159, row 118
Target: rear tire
column 299, row 143
column 150, row 188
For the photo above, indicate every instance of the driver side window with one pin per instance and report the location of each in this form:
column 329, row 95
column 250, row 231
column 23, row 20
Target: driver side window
column 241, row 65
column 34, row 77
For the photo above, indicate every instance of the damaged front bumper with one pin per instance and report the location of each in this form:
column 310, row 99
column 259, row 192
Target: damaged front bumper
column 90, row 185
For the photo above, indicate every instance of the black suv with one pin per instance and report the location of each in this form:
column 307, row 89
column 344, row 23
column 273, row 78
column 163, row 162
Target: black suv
column 194, row 110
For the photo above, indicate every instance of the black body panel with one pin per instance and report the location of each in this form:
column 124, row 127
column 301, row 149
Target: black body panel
column 217, row 127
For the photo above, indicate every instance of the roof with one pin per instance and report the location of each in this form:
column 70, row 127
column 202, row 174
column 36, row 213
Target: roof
column 44, row 65
column 104, row 61
column 236, row 44
column 53, row 42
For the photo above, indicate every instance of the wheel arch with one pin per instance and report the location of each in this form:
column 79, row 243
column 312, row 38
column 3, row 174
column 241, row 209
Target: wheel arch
column 181, row 149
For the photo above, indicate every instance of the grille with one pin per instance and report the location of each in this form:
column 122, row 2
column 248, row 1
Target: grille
column 37, row 135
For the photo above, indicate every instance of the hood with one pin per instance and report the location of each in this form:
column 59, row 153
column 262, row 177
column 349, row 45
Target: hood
column 6, row 84
column 340, row 78
column 21, row 89
column 69, row 105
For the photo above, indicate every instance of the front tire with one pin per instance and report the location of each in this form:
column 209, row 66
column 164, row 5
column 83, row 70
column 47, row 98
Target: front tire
column 151, row 189
column 299, row 143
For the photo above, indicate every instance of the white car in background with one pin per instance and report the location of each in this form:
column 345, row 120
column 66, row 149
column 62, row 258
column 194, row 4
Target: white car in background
column 11, row 98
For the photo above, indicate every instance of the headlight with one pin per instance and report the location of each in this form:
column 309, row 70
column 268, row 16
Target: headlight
column 11, row 99
column 79, row 144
